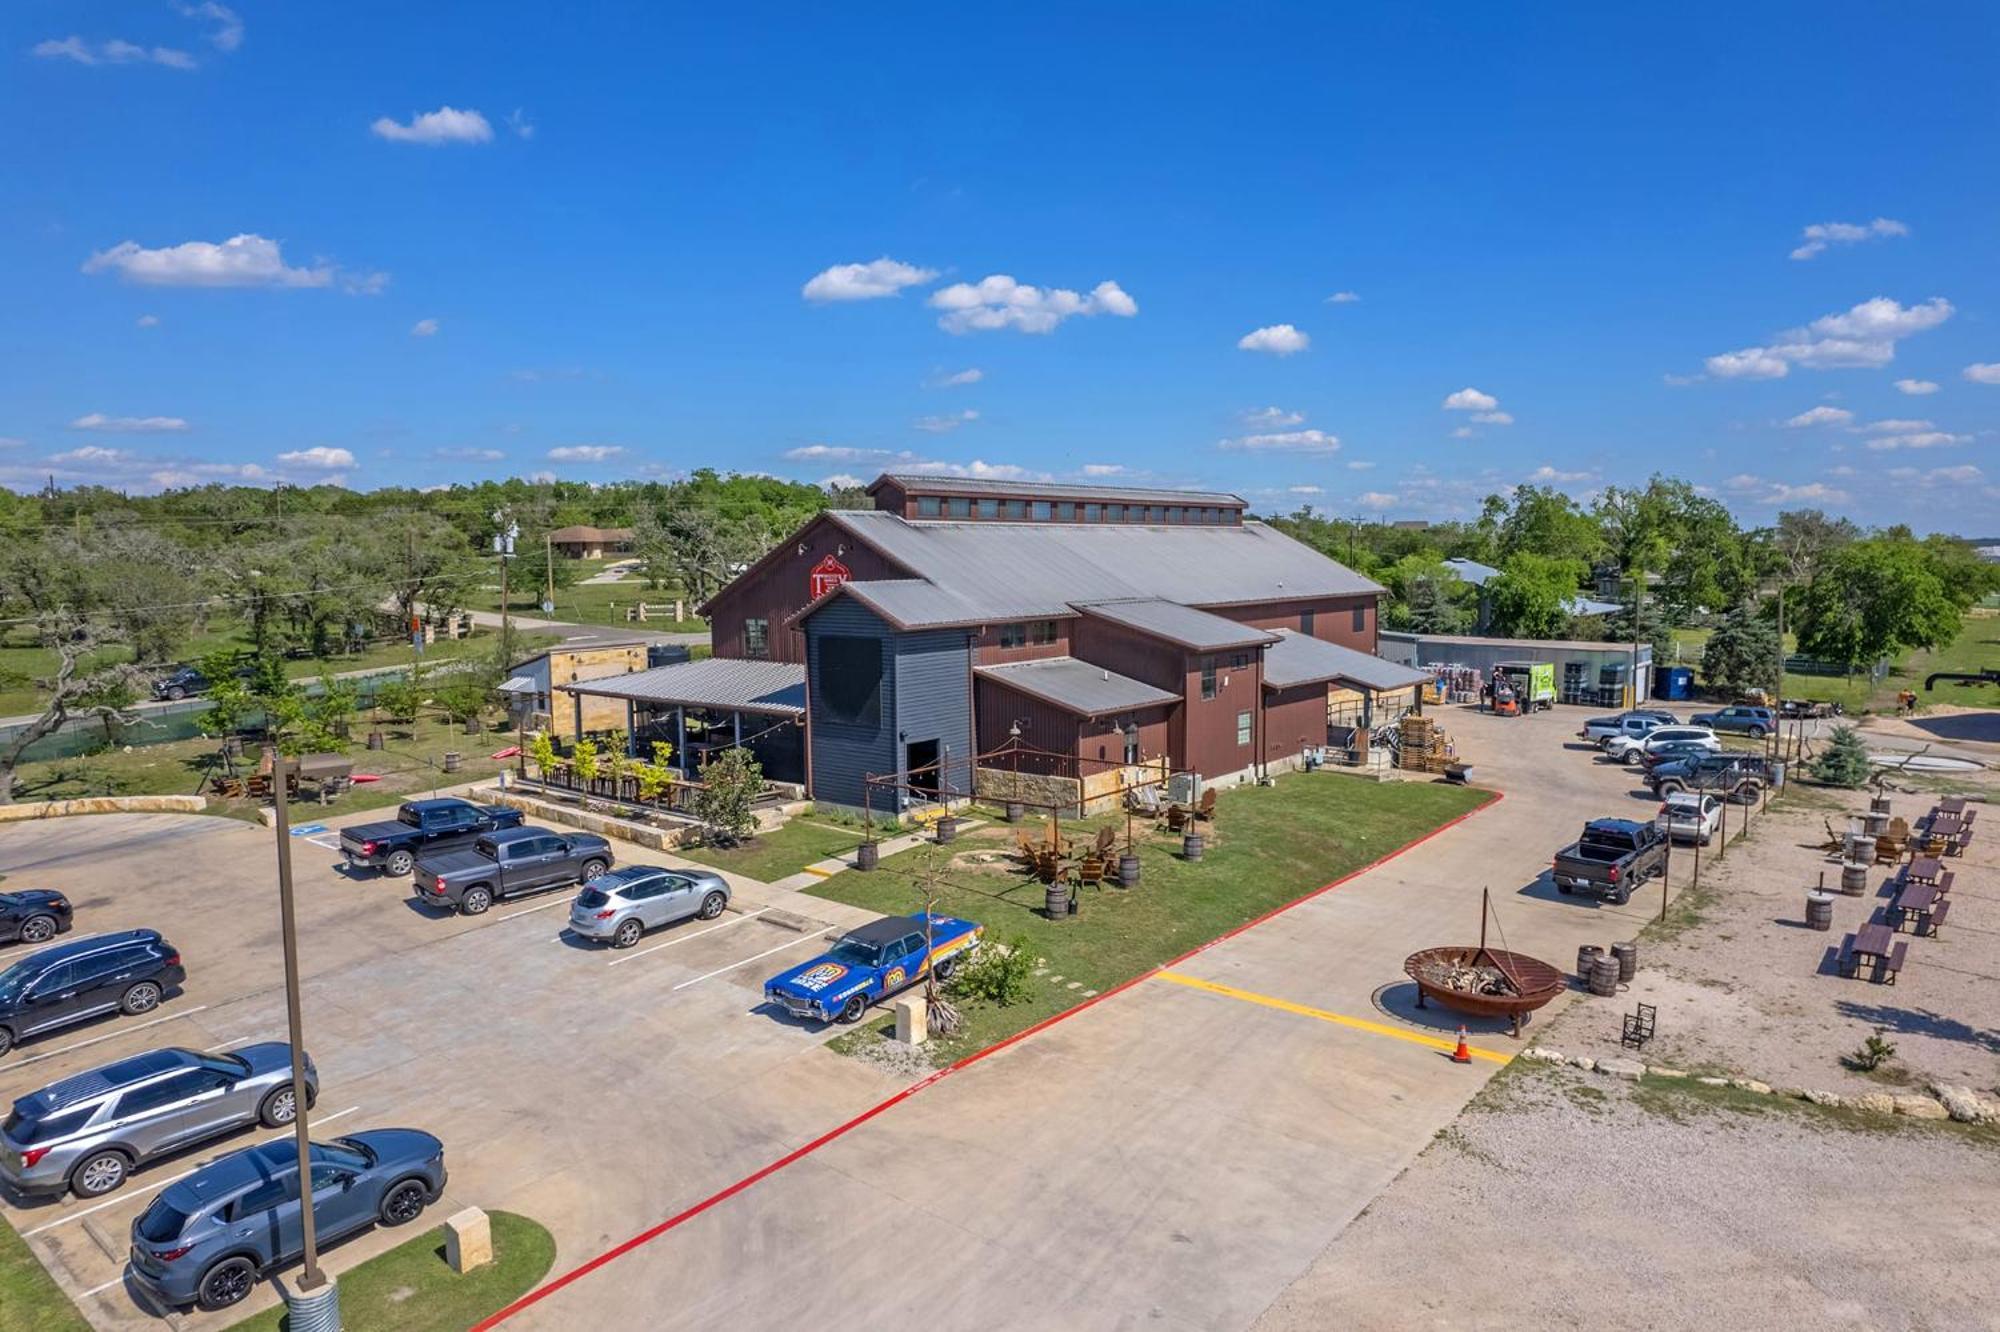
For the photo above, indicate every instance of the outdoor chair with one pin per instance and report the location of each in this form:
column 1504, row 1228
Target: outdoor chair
column 1105, row 837
column 1048, row 867
column 1207, row 810
column 1025, row 849
column 1177, row 818
column 1639, row 1027
column 1090, row 873
column 1888, row 850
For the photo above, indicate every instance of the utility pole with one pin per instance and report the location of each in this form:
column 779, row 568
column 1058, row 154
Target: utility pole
column 1638, row 604
column 316, row 1297
column 549, row 564
column 503, row 546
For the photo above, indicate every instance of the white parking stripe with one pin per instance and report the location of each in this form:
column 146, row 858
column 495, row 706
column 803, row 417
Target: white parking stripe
column 118, row 1280
column 51, row 1054
column 328, row 846
column 683, row 938
column 748, row 960
column 128, row 1194
column 525, row 911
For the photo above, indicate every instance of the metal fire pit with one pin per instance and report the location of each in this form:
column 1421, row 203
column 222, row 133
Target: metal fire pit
column 1535, row 981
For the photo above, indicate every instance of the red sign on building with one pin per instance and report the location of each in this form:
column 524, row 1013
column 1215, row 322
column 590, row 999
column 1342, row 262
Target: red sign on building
column 828, row 574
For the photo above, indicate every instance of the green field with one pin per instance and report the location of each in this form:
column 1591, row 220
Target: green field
column 1977, row 647
column 596, row 603
column 1269, row 845
column 30, row 1300
column 775, row 855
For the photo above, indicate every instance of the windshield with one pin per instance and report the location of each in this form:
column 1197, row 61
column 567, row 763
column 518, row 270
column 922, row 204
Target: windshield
column 162, row 1222
column 344, row 1152
column 13, row 980
column 856, row 952
column 230, row 1064
column 592, row 897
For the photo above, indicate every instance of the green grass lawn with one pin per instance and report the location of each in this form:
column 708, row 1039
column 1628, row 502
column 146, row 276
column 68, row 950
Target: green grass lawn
column 595, row 603
column 30, row 1300
column 410, row 765
column 411, row 1289
column 774, row 855
column 1977, row 647
column 1268, row 846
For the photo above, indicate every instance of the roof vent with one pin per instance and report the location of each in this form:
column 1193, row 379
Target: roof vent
column 1104, row 674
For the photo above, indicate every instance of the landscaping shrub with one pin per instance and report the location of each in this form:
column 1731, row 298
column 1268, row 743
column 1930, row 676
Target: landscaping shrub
column 731, row 782
column 1845, row 762
column 1000, row 976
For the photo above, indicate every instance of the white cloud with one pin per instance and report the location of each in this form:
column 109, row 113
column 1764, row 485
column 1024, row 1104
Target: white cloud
column 841, row 481
column 129, row 425
column 1276, row 339
column 434, row 129
column 517, row 120
column 959, row 378
column 1895, row 426
column 228, row 34
column 864, row 282
column 113, row 52
column 364, row 284
column 1918, row 439
column 472, row 455
column 1546, row 475
column 1464, row 432
column 1818, row 416
column 1743, row 481
column 319, row 456
column 980, row 470
column 1285, row 441
column 1270, row 418
column 939, row 425
column 1963, row 474
column 1470, row 400
column 92, row 455
column 1305, row 490
column 1493, row 418
column 1813, row 492
column 247, row 260
column 1863, row 337
column 1916, row 388
column 590, row 453
column 1988, row 373
column 833, row 453
column 147, row 321
column 1360, row 465
column 1376, row 499
column 1104, row 469
column 1342, row 298
column 543, row 477
column 1817, row 237
column 424, row 328
column 998, row 301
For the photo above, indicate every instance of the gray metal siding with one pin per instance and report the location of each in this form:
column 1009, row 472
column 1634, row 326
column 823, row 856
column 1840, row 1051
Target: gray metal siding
column 843, row 754
column 934, row 697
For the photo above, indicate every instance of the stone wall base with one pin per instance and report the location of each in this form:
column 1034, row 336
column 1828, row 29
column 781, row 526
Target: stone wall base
column 142, row 804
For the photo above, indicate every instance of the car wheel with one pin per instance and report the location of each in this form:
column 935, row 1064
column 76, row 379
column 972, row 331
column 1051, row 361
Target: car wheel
column 711, row 906
column 1671, row 788
column 99, row 1174
column 1632, row 757
column 593, row 868
column 1621, row 897
column 175, row 693
column 281, row 1107
column 404, row 1203
column 851, row 1011
column 475, row 901
column 1756, row 733
column 399, row 863
column 627, row 933
column 226, row 1283
column 6, row 1040
column 38, row 929
column 946, row 967
column 141, row 998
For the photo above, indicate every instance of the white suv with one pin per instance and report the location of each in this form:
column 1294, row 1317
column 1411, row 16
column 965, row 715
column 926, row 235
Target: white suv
column 1630, row 749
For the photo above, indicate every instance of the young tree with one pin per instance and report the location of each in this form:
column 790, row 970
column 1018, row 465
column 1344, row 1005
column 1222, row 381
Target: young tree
column 1531, row 597
column 1742, row 653
column 1845, row 762
column 1873, row 599
column 730, row 783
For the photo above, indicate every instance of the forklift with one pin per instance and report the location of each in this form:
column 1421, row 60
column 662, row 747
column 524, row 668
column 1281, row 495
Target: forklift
column 1521, row 687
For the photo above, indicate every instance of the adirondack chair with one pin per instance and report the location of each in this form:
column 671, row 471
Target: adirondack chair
column 1090, row 873
column 1105, row 837
column 1177, row 818
column 1206, row 813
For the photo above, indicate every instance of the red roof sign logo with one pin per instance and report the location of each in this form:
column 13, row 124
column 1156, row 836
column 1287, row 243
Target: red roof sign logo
column 828, row 574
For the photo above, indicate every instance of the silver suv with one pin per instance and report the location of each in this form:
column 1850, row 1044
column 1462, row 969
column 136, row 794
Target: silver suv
column 619, row 906
column 88, row 1132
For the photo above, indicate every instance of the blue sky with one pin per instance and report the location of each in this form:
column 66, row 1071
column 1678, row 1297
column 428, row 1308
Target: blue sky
column 615, row 215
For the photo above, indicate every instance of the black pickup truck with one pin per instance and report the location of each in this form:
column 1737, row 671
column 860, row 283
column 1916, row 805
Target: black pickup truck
column 422, row 827
column 1613, row 857
column 509, row 862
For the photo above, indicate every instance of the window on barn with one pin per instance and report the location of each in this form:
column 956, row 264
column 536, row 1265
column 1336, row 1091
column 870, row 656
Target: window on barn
column 1013, row 635
column 850, row 678
column 1208, row 677
column 989, row 508
column 1306, row 622
column 1242, row 728
column 1066, row 511
column 961, row 507
column 1040, row 511
column 756, row 638
column 1017, row 509
column 1360, row 619
column 1042, row 632
column 1131, row 742
column 929, row 506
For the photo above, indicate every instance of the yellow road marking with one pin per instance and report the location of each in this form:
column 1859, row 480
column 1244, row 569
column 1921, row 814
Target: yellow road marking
column 817, row 871
column 1338, row 1019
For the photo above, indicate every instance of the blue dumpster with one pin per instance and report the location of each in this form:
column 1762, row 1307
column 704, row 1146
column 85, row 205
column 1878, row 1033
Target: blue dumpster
column 1673, row 682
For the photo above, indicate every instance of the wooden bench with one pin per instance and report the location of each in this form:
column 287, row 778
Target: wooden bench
column 1935, row 921
column 1944, row 882
column 1894, row 963
column 1846, row 963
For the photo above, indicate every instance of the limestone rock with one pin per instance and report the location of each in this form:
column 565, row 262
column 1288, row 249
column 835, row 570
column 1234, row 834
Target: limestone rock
column 1584, row 1062
column 1629, row 1069
column 1751, row 1085
column 1662, row 1071
column 1832, row 1100
column 1961, row 1103
column 1537, row 1053
column 1921, row 1107
column 1713, row 1082
column 1876, row 1103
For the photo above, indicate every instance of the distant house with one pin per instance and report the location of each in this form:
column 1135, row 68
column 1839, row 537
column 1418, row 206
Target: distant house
column 591, row 543
column 1478, row 575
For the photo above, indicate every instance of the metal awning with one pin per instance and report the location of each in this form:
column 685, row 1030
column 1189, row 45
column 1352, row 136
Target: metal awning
column 521, row 684
column 726, row 684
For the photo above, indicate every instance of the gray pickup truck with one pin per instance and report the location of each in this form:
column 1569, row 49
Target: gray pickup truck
column 508, row 863
column 1613, row 857
column 422, row 828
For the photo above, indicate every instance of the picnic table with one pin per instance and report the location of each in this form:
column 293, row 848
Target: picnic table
column 1875, row 947
column 1951, row 805
column 1923, row 869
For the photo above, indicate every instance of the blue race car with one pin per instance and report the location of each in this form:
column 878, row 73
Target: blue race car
column 872, row 963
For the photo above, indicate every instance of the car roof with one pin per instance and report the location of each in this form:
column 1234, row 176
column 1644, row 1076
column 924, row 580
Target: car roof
column 86, row 947
column 441, row 802
column 885, row 931
column 1615, row 825
column 500, row 835
column 96, row 1082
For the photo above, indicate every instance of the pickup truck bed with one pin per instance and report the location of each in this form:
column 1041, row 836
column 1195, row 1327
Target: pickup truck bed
column 1613, row 857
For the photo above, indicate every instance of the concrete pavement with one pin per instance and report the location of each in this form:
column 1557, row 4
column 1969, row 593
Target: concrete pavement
column 1171, row 1155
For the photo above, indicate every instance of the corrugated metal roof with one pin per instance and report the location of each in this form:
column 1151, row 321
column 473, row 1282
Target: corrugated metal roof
column 1178, row 624
column 912, row 603
column 1010, row 571
column 1297, row 659
column 1477, row 574
column 927, row 484
column 718, row 682
column 1076, row 686
column 1538, row 644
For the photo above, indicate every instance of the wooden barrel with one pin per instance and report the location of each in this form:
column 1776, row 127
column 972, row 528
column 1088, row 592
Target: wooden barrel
column 1860, row 846
column 1876, row 823
column 947, row 830
column 1819, row 911
column 1879, row 805
column 1191, row 848
column 865, row 857
column 1016, row 811
column 1128, row 870
column 1586, row 958
column 1055, row 902
column 1627, row 957
column 1604, row 976
column 452, row 759
column 1854, row 877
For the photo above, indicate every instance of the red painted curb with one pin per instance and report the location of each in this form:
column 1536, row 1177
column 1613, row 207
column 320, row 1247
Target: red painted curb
column 647, row 1236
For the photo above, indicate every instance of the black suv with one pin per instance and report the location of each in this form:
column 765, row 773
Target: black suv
column 129, row 972
column 34, row 916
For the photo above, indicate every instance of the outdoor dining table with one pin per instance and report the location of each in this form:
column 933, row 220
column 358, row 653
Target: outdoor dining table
column 1924, row 869
column 1917, row 896
column 1951, row 805
column 1872, row 944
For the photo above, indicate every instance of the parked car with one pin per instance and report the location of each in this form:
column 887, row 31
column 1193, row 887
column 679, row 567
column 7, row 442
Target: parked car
column 1689, row 816
column 618, row 907
column 1673, row 751
column 208, row 1238
column 1803, row 709
column 1636, row 722
column 1613, row 857
column 179, row 683
column 129, row 972
column 33, row 915
column 422, row 827
column 1741, row 777
column 1742, row 719
column 508, row 863
column 871, row 963
column 1628, row 749
column 89, row 1132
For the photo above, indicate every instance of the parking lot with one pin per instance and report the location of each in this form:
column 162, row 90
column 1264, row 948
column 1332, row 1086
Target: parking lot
column 570, row 1082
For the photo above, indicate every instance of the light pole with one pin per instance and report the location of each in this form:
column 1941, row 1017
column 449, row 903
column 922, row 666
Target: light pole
column 503, row 546
column 316, row 1302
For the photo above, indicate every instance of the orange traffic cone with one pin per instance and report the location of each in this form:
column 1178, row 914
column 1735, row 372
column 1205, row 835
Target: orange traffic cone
column 1463, row 1054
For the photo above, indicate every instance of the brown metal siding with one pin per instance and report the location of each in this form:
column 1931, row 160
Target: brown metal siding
column 1293, row 719
column 1105, row 738
column 1210, row 725
column 1043, row 725
column 1333, row 618
column 988, row 652
column 781, row 589
column 892, row 498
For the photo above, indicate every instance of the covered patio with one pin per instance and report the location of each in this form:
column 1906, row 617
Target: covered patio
column 701, row 707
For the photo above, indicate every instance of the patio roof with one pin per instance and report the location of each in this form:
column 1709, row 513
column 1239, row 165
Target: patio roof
column 1297, row 659
column 727, row 684
column 1076, row 686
